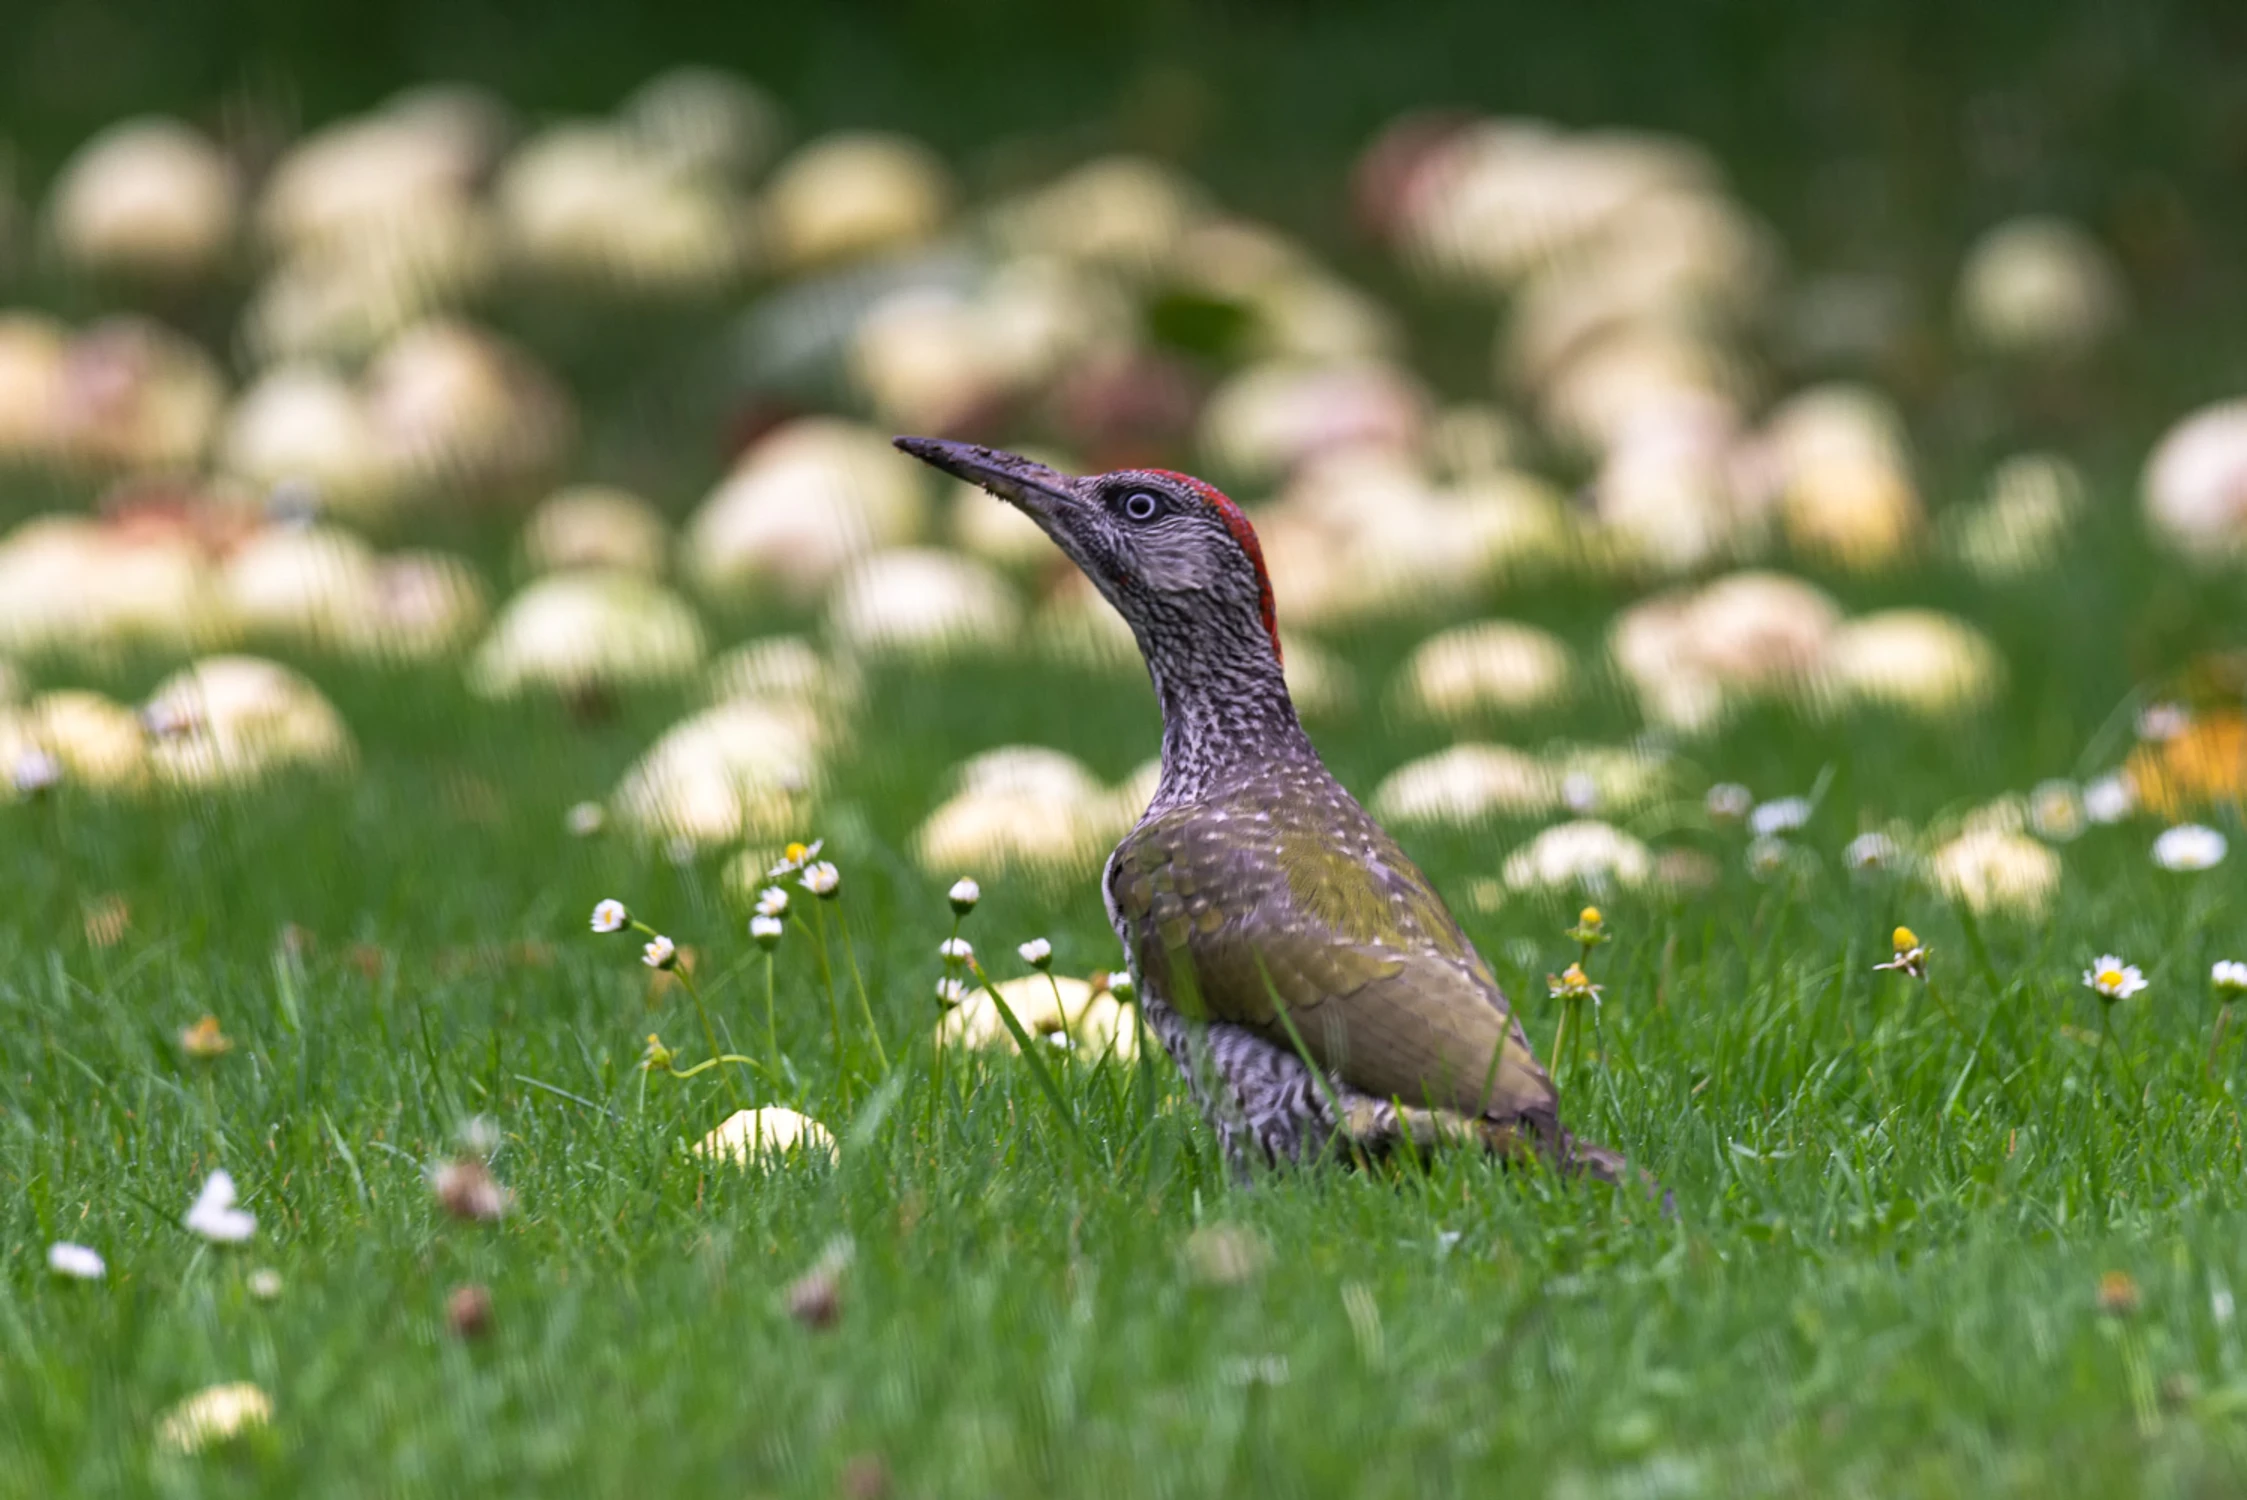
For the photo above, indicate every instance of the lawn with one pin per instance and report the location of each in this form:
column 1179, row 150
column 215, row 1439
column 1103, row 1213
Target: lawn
column 1973, row 1234
column 1895, row 1203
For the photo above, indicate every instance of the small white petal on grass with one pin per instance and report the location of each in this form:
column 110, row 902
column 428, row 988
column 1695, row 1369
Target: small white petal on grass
column 265, row 1283
column 586, row 819
column 75, row 1261
column 213, row 1415
column 772, row 901
column 958, row 949
column 214, row 1216
column 766, row 931
column 1037, row 953
column 610, row 916
column 2229, row 977
column 749, row 1135
column 951, row 990
column 2189, row 846
column 963, row 895
column 2112, row 979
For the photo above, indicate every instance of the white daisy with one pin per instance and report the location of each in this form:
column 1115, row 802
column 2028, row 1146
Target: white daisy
column 958, row 949
column 1871, row 851
column 1780, row 815
column 766, row 930
column 610, row 916
column 822, row 880
column 2112, row 979
column 964, row 894
column 951, row 990
column 1767, row 856
column 75, row 1261
column 2056, row 811
column 214, row 1216
column 1728, row 801
column 2229, row 977
column 794, row 858
column 2109, row 799
column 2189, row 846
column 1572, row 983
column 772, row 901
column 1037, row 953
column 660, row 953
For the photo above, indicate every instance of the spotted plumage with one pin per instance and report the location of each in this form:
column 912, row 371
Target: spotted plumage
column 1294, row 962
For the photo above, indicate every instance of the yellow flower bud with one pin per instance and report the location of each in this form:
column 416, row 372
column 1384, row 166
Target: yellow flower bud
column 1589, row 916
column 1905, row 939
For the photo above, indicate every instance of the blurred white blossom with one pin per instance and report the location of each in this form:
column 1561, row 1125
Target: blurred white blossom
column 214, row 1216
column 75, row 1261
column 2189, row 846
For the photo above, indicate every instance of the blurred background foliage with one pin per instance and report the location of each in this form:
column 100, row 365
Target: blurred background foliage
column 1871, row 134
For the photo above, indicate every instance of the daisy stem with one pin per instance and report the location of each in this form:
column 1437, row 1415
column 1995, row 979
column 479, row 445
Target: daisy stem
column 827, row 978
column 772, row 1030
column 865, row 1007
column 710, row 1034
column 936, row 1071
column 1568, row 1042
column 1948, row 1014
column 2216, row 1038
column 2090, row 1097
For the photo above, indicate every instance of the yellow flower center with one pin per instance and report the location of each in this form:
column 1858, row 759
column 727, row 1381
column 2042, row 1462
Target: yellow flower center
column 2110, row 979
column 1905, row 939
column 1589, row 916
column 795, row 853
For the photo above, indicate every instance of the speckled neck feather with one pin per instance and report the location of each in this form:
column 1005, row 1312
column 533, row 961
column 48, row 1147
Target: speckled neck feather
column 1226, row 709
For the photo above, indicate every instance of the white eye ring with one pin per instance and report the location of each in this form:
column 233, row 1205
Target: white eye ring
column 1140, row 506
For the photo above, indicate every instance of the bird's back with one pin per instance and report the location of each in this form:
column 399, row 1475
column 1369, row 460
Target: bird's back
column 1277, row 893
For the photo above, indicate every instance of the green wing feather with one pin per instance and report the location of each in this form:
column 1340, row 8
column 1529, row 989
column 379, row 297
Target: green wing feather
column 1236, row 910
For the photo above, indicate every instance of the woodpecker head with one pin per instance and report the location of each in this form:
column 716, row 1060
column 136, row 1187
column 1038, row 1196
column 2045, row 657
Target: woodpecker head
column 1172, row 553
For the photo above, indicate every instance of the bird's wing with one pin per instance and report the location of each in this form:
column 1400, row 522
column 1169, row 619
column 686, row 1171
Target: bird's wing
column 1339, row 929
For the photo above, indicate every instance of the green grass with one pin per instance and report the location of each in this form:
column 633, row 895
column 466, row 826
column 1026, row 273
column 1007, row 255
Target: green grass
column 1892, row 1217
column 1893, row 1213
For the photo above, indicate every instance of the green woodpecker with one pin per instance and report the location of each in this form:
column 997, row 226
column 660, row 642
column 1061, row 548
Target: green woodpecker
column 1298, row 967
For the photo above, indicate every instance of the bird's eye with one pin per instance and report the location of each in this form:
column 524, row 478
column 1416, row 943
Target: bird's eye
column 1139, row 505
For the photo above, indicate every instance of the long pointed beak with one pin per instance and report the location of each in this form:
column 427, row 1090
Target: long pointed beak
column 1048, row 495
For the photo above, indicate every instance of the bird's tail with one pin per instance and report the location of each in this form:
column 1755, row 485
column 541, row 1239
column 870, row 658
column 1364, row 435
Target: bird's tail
column 1379, row 1126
